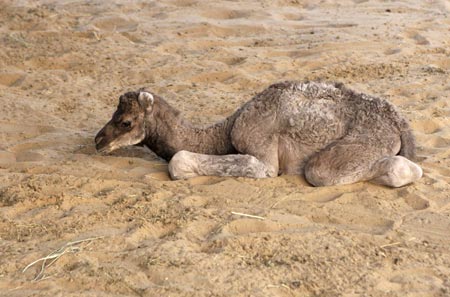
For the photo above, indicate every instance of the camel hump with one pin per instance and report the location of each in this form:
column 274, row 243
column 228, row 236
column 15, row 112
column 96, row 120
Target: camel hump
column 408, row 146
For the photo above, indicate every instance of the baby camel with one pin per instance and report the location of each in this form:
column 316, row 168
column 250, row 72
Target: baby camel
column 327, row 132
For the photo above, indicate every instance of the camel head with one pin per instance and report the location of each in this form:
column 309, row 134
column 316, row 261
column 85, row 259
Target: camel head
column 127, row 126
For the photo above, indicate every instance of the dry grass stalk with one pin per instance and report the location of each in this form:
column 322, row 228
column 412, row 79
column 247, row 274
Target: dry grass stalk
column 390, row 244
column 396, row 243
column 18, row 39
column 96, row 36
column 247, row 215
column 70, row 247
column 279, row 286
column 279, row 201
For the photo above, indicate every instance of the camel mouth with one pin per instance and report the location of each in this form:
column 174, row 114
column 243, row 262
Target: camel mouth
column 103, row 149
column 102, row 145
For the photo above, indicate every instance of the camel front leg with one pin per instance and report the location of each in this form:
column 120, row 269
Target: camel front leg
column 186, row 164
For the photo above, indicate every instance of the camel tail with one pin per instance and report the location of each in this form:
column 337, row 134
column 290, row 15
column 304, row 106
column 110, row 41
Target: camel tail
column 408, row 146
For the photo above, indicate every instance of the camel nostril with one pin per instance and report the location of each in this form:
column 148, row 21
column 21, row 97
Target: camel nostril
column 98, row 139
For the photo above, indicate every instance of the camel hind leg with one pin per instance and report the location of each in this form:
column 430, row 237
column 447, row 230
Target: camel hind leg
column 352, row 160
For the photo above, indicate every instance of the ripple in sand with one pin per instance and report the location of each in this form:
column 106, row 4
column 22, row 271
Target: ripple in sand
column 225, row 14
column 115, row 24
column 428, row 126
column 6, row 157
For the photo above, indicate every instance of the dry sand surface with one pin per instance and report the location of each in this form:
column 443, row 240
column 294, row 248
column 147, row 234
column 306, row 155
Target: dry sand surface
column 63, row 65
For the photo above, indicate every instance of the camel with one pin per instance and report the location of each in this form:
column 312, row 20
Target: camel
column 324, row 130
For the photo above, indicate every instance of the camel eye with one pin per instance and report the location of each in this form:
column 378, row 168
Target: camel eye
column 125, row 124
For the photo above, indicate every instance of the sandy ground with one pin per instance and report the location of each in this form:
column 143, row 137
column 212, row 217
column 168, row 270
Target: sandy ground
column 63, row 65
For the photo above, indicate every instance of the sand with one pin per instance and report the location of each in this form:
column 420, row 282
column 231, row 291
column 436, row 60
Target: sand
column 63, row 65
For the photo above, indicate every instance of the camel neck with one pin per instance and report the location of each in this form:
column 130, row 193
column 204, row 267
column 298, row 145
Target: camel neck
column 168, row 132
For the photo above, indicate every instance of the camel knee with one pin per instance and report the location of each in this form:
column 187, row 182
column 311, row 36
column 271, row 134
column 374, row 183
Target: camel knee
column 317, row 177
column 321, row 174
column 258, row 169
column 182, row 165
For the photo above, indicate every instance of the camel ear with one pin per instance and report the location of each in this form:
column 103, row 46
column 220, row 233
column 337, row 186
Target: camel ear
column 146, row 100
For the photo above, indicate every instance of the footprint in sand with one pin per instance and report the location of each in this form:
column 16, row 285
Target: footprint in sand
column 226, row 14
column 274, row 223
column 195, row 201
column 418, row 38
column 348, row 213
column 232, row 61
column 392, row 51
column 414, row 200
column 184, row 3
column 436, row 142
column 347, row 220
column 292, row 16
column 416, row 280
column 417, row 202
column 222, row 76
column 427, row 225
column 246, row 226
column 147, row 231
column 115, row 24
column 11, row 79
column 319, row 195
column 29, row 156
column 322, row 197
column 131, row 165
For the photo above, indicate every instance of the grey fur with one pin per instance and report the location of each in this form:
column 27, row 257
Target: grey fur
column 331, row 134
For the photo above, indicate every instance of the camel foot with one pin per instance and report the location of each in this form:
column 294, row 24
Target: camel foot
column 397, row 171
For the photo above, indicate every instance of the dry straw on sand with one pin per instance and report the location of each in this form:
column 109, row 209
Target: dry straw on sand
column 247, row 215
column 70, row 247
